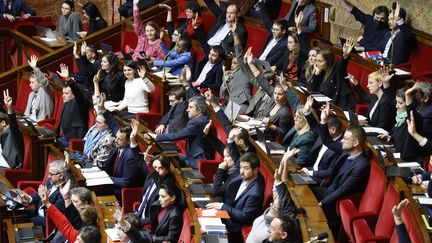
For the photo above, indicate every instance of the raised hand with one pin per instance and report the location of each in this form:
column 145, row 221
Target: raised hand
column 385, row 74
column 8, row 101
column 347, row 47
column 67, row 158
column 96, row 78
column 397, row 11
column 289, row 154
column 307, row 108
column 43, row 193
column 249, row 56
column 397, row 211
column 64, row 72
column 325, row 111
column 207, row 127
column 33, row 61
column 195, row 21
column 210, row 98
column 317, row 70
column 298, row 20
column 235, row 132
column 65, row 189
column 411, row 124
column 142, row 71
column 165, row 6
column 101, row 102
column 352, row 79
column 134, row 126
column 135, row 2
column 83, row 47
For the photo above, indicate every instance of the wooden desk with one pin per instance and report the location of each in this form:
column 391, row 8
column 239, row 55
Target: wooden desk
column 105, row 206
column 51, row 44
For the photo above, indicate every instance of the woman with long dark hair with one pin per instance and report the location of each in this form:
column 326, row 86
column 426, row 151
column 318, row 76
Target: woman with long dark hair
column 70, row 22
column 95, row 20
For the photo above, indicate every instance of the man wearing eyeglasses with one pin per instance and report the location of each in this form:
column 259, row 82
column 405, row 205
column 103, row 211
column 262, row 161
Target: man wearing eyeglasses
column 56, row 178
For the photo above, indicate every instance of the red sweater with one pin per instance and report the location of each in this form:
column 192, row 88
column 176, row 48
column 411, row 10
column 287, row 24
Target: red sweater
column 62, row 223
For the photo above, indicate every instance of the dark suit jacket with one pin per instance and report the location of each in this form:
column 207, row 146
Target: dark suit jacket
column 278, row 50
column 86, row 72
column 228, row 42
column 176, row 117
column 327, row 158
column 353, row 180
column 12, row 142
column 193, row 133
column 322, row 131
column 17, row 7
column 55, row 198
column 385, row 112
column 403, row 44
column 248, row 205
column 74, row 116
column 309, row 16
column 426, row 113
column 127, row 174
column 169, row 228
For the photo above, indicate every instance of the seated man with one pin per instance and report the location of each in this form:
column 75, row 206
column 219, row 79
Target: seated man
column 426, row 107
column 193, row 133
column 40, row 104
column 350, row 173
column 284, row 229
column 57, row 175
column 243, row 197
column 11, row 138
column 398, row 43
column 126, row 9
column 122, row 165
column 176, row 118
column 74, row 116
column 375, row 26
column 220, row 33
column 9, row 9
column 177, row 57
column 309, row 10
column 88, row 65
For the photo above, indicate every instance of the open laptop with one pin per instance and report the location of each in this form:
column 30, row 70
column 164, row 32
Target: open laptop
column 215, row 238
column 42, row 131
column 12, row 195
column 166, row 147
column 302, row 179
column 273, row 149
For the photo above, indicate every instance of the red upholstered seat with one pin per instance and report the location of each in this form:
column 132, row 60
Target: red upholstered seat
column 153, row 117
column 385, row 225
column 208, row 167
column 370, row 204
column 24, row 91
column 131, row 195
column 54, row 121
column 186, row 235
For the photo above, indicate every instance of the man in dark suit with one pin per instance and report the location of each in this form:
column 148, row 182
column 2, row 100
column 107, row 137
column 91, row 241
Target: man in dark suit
column 74, row 116
column 193, row 132
column 122, row 165
column 243, row 196
column 11, row 139
column 375, row 26
column 9, row 9
column 176, row 118
column 276, row 42
column 398, row 43
column 126, row 9
column 426, row 107
column 350, row 173
column 57, row 172
column 309, row 15
column 220, row 34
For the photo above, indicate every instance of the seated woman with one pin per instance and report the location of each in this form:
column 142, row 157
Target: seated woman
column 184, row 20
column 308, row 68
column 301, row 137
column 137, row 87
column 406, row 145
column 165, row 217
column 381, row 99
column 70, row 22
column 40, row 104
column 99, row 140
column 278, row 119
column 95, row 19
column 110, row 80
column 329, row 78
column 148, row 38
column 295, row 56
column 87, row 213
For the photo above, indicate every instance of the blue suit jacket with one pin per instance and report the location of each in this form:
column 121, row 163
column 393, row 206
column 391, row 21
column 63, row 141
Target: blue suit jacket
column 17, row 7
column 127, row 169
column 248, row 205
column 193, row 133
column 353, row 180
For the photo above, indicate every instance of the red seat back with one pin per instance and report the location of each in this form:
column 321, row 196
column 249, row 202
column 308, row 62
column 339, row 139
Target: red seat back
column 373, row 195
column 421, row 61
column 155, row 98
column 27, row 153
column 284, row 9
column 91, row 117
column 385, row 225
column 24, row 91
column 413, row 231
column 208, row 21
column 256, row 38
column 268, row 190
column 186, row 235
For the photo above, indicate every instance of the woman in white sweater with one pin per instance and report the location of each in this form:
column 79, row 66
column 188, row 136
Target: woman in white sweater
column 137, row 87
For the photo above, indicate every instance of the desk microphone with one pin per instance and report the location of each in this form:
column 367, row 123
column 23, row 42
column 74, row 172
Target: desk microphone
column 320, row 237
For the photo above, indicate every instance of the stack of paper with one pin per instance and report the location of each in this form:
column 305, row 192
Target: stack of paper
column 95, row 177
column 212, row 224
column 113, row 234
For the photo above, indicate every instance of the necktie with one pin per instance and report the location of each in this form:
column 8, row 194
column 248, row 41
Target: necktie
column 116, row 162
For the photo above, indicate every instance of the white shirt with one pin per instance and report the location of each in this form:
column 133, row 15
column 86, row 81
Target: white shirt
column 320, row 155
column 392, row 37
column 268, row 48
column 219, row 35
column 372, row 111
column 148, row 196
column 243, row 187
column 3, row 162
column 208, row 66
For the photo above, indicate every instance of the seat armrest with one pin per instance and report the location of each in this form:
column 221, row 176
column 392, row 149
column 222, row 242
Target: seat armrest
column 76, row 144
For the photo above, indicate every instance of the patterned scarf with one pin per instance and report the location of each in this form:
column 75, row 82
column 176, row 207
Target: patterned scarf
column 401, row 118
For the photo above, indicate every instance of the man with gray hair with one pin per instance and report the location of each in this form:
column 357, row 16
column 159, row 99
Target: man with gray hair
column 193, row 132
column 57, row 175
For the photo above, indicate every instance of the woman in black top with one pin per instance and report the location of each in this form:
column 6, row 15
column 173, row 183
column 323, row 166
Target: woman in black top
column 381, row 99
column 406, row 145
column 329, row 77
column 110, row 80
column 96, row 22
